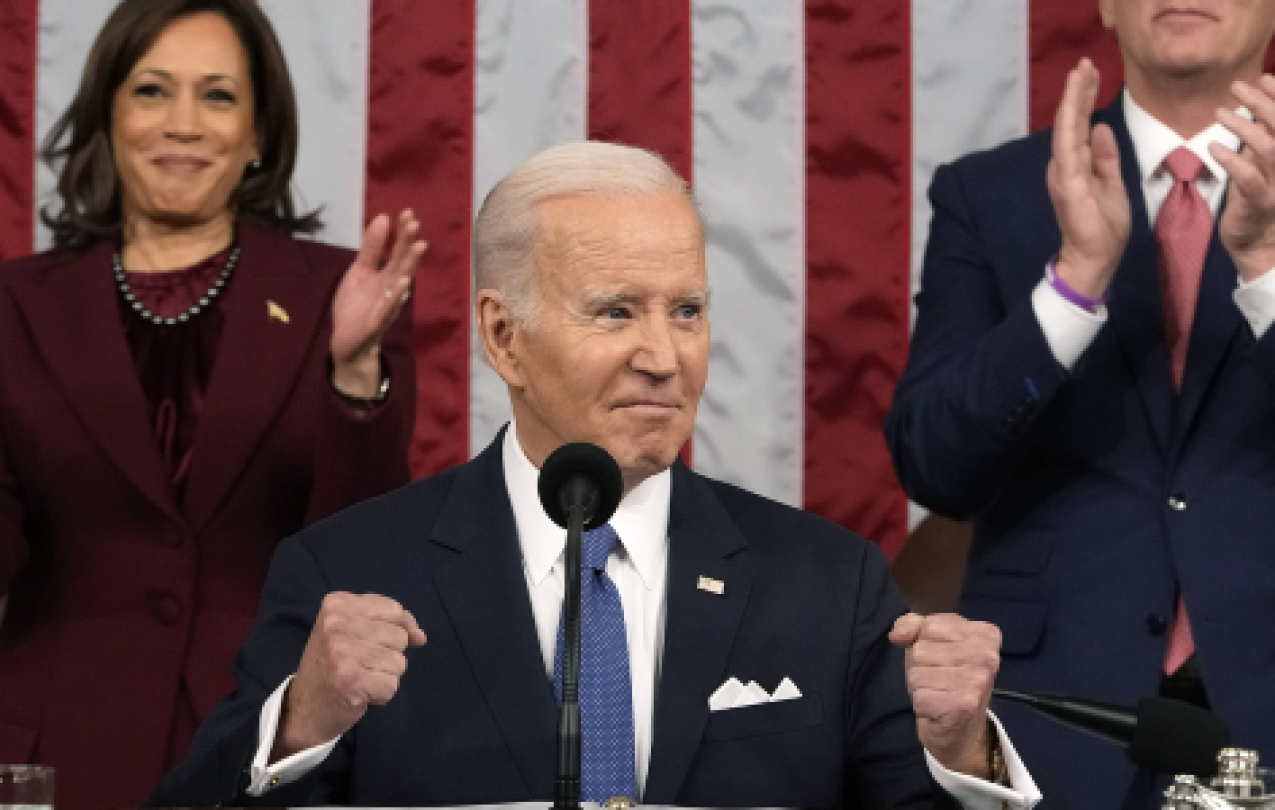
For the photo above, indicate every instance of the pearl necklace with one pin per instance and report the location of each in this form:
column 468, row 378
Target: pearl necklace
column 126, row 290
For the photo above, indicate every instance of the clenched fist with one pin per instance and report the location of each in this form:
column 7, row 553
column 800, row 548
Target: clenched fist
column 354, row 659
column 951, row 665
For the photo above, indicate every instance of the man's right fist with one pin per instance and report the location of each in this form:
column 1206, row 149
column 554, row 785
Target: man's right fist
column 354, row 658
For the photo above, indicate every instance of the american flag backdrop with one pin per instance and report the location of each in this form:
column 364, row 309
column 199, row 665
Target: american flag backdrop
column 809, row 131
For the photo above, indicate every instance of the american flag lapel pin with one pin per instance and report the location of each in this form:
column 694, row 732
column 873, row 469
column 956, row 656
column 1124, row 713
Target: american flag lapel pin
column 713, row 586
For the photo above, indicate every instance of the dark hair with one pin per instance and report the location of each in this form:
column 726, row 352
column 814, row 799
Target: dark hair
column 80, row 141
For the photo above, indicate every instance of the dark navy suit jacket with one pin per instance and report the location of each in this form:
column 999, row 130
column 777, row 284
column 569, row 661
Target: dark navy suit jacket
column 1095, row 493
column 474, row 719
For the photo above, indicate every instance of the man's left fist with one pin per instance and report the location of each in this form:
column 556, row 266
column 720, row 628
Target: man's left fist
column 951, row 665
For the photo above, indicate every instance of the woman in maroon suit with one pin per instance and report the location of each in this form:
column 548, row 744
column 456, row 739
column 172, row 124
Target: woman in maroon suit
column 182, row 384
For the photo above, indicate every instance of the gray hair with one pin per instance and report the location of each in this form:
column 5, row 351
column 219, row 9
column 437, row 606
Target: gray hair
column 507, row 225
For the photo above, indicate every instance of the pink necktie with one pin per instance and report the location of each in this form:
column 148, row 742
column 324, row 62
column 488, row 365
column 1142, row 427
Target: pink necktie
column 1182, row 233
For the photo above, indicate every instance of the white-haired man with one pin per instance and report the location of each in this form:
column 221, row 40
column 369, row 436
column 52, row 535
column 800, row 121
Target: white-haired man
column 592, row 300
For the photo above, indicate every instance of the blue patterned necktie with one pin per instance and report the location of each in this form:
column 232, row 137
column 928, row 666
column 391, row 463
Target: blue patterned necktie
column 606, row 697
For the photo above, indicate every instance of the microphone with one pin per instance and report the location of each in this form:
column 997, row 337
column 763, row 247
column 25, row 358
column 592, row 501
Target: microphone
column 580, row 474
column 1161, row 734
column 580, row 487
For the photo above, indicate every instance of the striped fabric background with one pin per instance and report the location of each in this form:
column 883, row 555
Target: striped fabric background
column 809, row 130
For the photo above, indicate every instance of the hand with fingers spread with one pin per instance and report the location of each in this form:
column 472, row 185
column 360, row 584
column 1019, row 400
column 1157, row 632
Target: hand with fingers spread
column 353, row 659
column 1089, row 197
column 951, row 664
column 1247, row 227
column 368, row 300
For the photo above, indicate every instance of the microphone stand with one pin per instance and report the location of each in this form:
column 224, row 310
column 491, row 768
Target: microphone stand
column 580, row 486
column 566, row 790
column 1112, row 723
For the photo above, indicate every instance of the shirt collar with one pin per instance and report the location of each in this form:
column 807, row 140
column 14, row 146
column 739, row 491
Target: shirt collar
column 1153, row 140
column 641, row 520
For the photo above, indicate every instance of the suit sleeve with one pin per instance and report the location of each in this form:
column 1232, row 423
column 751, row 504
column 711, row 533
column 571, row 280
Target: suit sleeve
column 1261, row 350
column 216, row 771
column 980, row 372
column 361, row 454
column 885, row 764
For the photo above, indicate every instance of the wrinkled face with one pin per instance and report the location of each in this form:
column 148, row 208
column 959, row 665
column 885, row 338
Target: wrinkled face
column 618, row 349
column 182, row 124
column 1186, row 38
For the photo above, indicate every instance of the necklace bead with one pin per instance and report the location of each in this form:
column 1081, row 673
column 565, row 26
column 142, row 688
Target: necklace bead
column 126, row 289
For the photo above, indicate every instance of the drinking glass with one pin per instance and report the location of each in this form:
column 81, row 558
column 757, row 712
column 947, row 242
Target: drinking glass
column 26, row 787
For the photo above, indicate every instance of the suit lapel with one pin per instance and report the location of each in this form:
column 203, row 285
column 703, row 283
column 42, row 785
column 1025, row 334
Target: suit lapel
column 258, row 361
column 1135, row 307
column 699, row 628
column 72, row 312
column 1138, row 314
column 485, row 595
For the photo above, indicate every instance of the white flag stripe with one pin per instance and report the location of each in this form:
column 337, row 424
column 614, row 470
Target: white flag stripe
column 67, row 31
column 749, row 174
column 964, row 98
column 969, row 92
column 326, row 43
column 530, row 92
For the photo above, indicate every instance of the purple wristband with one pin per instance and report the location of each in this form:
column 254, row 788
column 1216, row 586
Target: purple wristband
column 1078, row 298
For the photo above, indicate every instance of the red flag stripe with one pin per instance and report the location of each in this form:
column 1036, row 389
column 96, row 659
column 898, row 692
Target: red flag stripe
column 1061, row 33
column 640, row 77
column 419, row 155
column 858, row 214
column 18, row 42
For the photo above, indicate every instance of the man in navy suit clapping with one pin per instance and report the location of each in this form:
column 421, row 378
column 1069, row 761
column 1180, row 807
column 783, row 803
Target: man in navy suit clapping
column 1091, row 382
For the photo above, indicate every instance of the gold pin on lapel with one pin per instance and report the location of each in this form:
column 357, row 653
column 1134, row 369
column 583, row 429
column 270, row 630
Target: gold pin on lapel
column 276, row 312
column 712, row 585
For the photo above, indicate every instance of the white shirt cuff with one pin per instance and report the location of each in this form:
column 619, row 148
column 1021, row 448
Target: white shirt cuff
column 1068, row 329
column 289, row 769
column 1256, row 300
column 978, row 794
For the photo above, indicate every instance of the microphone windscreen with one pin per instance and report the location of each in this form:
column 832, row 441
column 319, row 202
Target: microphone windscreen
column 1174, row 737
column 590, row 462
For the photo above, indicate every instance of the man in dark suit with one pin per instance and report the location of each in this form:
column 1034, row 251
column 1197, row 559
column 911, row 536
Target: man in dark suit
column 1091, row 382
column 757, row 664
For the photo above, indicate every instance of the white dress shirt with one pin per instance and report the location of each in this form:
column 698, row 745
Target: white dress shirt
column 637, row 567
column 1070, row 329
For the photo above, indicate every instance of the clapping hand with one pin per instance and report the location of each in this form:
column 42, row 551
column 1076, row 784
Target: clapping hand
column 368, row 300
column 1247, row 227
column 1087, row 191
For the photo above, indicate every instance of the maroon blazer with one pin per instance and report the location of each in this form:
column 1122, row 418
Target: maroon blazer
column 120, row 597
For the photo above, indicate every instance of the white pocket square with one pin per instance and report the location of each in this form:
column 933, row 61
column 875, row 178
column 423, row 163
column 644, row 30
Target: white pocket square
column 735, row 695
